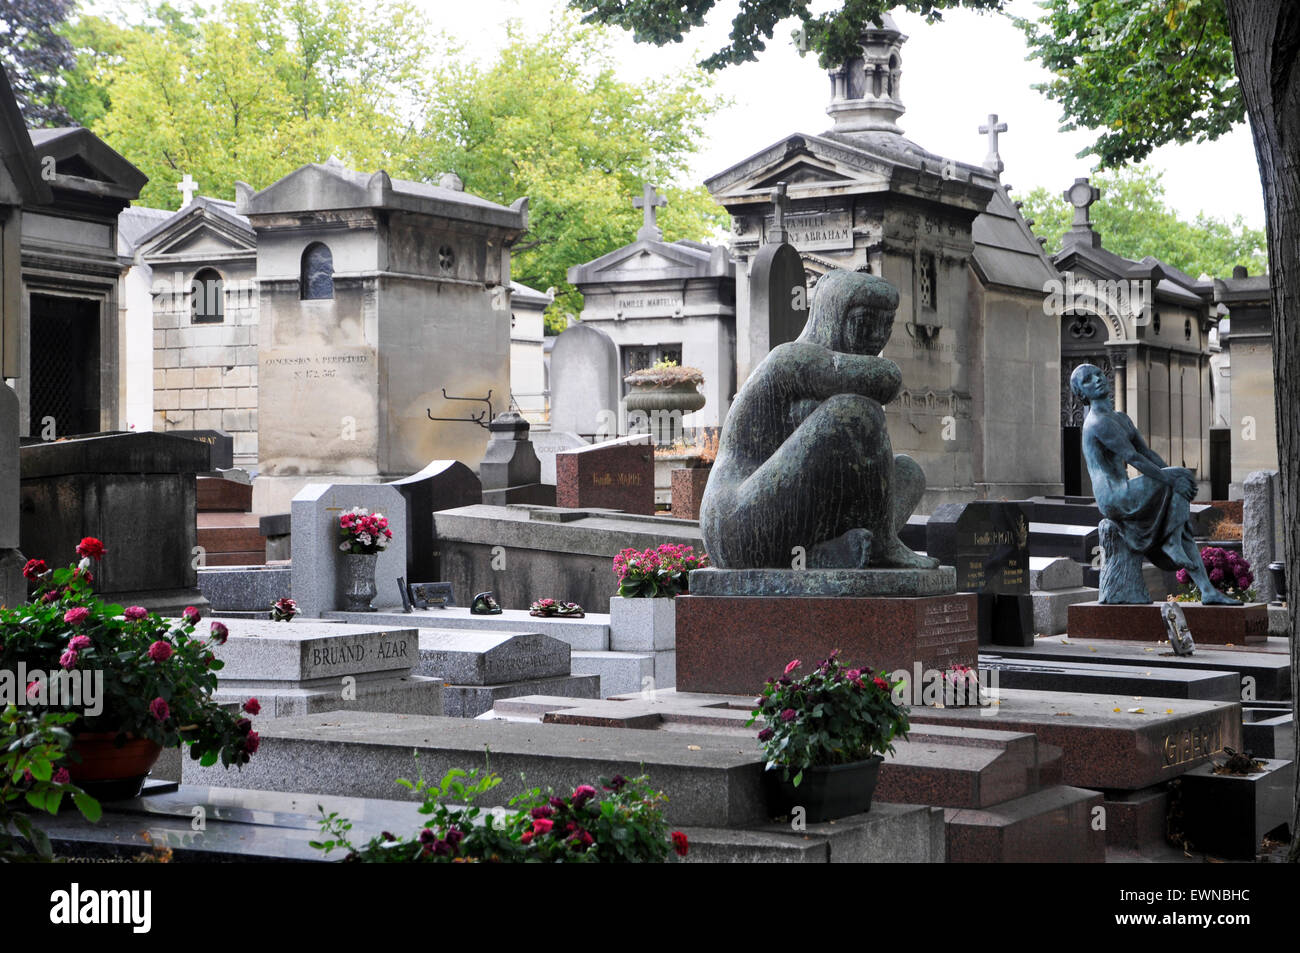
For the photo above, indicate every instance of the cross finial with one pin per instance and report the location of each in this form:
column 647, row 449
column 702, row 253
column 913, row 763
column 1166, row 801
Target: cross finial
column 187, row 187
column 780, row 205
column 649, row 200
column 1081, row 195
column 993, row 161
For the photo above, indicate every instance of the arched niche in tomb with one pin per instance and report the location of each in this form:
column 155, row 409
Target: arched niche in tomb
column 207, row 297
column 317, row 275
column 1083, row 341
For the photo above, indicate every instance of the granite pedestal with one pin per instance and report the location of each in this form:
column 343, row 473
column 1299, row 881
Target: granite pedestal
column 732, row 644
column 1210, row 625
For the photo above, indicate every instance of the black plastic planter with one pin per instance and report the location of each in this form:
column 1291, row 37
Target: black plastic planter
column 825, row 792
column 1227, row 815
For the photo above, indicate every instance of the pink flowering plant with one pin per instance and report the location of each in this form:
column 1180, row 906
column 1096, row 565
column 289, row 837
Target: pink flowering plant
column 659, row 572
column 364, row 533
column 622, row 822
column 1227, row 569
column 832, row 715
column 158, row 676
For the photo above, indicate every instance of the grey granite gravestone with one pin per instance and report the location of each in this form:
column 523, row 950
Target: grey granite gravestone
column 988, row 543
column 1261, row 528
column 510, row 471
column 442, row 485
column 317, row 560
column 778, row 297
column 585, row 383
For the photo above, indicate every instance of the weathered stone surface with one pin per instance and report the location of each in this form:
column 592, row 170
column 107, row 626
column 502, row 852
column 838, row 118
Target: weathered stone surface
column 245, row 589
column 584, row 382
column 1261, row 526
column 1052, row 573
column 688, row 485
column 589, row 634
column 823, row 582
column 642, row 625
column 1210, row 625
column 509, row 459
column 303, row 651
column 467, row 657
column 1052, row 607
column 804, row 460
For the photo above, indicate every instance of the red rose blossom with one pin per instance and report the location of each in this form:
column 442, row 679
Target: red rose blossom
column 61, row 776
column 789, row 715
column 251, row 741
column 160, row 651
column 219, row 633
column 76, row 615
column 542, row 825
column 680, row 843
column 252, row 706
column 135, row 613
column 33, row 569
column 90, row 547
column 794, row 664
column 191, row 615
column 159, row 709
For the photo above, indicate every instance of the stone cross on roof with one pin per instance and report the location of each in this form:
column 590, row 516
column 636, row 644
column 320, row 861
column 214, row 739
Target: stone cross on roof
column 187, row 187
column 649, row 200
column 993, row 161
column 781, row 206
column 1081, row 195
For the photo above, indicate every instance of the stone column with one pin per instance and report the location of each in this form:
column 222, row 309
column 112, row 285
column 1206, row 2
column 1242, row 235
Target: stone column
column 13, row 588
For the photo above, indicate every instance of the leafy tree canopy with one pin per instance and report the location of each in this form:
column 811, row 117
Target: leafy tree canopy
column 550, row 119
column 833, row 35
column 34, row 53
column 1144, row 74
column 1134, row 221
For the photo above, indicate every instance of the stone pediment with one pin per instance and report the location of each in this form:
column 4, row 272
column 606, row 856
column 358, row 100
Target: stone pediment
column 198, row 231
column 650, row 261
column 800, row 160
column 803, row 172
column 85, row 163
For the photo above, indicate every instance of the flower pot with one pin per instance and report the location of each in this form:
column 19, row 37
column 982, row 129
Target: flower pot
column 359, row 581
column 664, row 405
column 107, row 772
column 826, row 791
column 1227, row 815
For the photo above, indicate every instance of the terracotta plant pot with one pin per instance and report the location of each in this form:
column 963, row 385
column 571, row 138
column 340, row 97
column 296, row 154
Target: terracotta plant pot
column 826, row 791
column 107, row 772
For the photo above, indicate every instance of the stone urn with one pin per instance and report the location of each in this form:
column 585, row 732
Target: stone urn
column 665, row 395
column 359, row 581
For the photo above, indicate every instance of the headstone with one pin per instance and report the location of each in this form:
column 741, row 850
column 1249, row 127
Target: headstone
column 245, row 588
column 988, row 544
column 317, row 560
column 547, row 443
column 585, row 383
column 510, row 471
column 222, row 444
column 1261, row 528
column 617, row 474
column 303, row 667
column 135, row 492
column 778, row 298
column 442, row 485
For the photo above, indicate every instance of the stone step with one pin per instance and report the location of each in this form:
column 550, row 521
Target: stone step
column 471, row 701
column 1052, row 608
column 1089, row 678
column 1210, row 625
column 959, row 767
column 710, row 782
column 1265, row 669
column 589, row 634
column 1055, row 825
column 1136, row 820
column 484, row 657
column 620, row 672
column 1109, row 742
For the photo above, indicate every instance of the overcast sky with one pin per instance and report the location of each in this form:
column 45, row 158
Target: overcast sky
column 954, row 75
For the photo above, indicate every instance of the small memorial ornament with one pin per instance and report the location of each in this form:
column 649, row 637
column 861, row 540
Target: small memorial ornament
column 365, row 536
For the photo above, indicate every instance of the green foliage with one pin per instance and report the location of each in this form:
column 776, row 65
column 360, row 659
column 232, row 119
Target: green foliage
column 1143, row 73
column 550, row 119
column 34, row 54
column 1134, row 221
column 832, row 715
column 157, row 678
column 247, row 91
column 623, row 825
column 32, row 745
column 832, row 35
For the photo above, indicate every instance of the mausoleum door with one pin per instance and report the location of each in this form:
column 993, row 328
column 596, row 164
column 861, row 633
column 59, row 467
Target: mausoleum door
column 64, row 397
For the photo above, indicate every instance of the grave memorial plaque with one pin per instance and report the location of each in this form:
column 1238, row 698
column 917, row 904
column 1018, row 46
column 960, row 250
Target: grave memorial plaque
column 432, row 595
column 222, row 444
column 987, row 542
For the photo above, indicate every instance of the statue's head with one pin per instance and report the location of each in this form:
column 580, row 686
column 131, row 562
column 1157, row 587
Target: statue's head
column 1088, row 382
column 852, row 312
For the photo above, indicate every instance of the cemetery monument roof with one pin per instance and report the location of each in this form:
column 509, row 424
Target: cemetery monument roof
column 203, row 213
column 16, row 152
column 330, row 185
column 85, row 163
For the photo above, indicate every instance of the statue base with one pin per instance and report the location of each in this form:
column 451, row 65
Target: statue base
column 824, row 582
column 731, row 645
column 1209, row 625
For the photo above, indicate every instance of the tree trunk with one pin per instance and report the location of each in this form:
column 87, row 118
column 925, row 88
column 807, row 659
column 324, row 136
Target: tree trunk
column 1266, row 45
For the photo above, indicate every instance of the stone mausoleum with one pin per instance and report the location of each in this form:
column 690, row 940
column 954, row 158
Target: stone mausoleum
column 383, row 325
column 979, row 356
